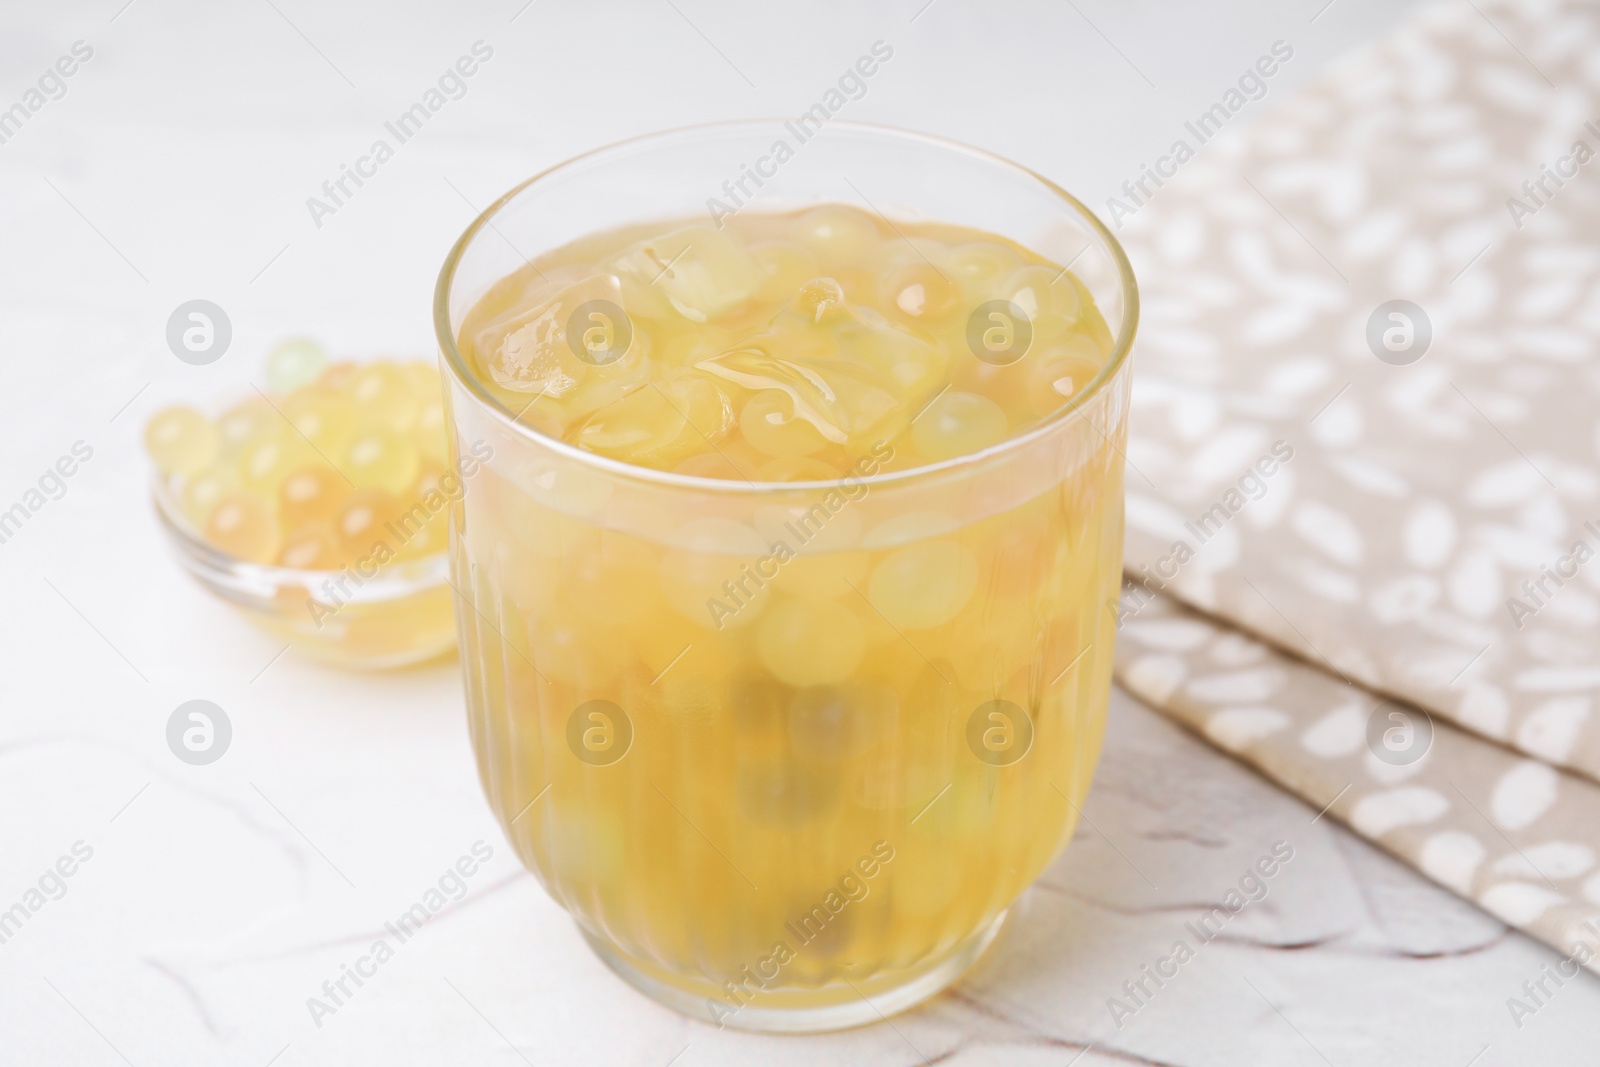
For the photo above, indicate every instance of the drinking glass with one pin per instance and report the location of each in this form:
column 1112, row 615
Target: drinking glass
column 810, row 848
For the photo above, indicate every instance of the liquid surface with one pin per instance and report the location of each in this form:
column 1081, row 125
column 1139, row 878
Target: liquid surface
column 783, row 348
column 793, row 755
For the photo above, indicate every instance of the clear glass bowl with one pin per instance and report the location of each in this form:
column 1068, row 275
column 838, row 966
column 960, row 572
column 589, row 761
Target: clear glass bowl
column 760, row 852
column 400, row 616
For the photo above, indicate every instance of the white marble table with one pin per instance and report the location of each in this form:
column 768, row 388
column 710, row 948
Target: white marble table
column 215, row 900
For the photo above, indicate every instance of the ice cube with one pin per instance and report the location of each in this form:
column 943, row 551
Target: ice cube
column 846, row 370
column 528, row 348
column 840, row 399
column 661, row 423
column 1047, row 297
column 697, row 272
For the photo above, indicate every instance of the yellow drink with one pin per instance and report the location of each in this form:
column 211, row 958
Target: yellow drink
column 785, row 586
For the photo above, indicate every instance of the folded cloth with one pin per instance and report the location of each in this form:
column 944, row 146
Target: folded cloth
column 1515, row 835
column 1364, row 430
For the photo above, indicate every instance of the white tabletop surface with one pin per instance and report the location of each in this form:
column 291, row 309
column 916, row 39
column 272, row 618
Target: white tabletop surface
column 217, row 899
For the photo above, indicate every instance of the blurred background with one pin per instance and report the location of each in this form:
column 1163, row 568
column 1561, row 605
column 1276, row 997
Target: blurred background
column 177, row 165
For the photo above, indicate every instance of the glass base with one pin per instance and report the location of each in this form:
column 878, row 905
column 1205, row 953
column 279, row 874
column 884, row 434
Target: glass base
column 799, row 1011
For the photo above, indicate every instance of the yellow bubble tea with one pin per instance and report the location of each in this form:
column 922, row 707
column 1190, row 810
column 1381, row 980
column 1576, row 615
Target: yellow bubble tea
column 819, row 679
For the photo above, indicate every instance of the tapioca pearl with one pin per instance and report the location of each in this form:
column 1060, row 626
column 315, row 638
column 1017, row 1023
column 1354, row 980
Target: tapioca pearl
column 270, row 457
column 1047, row 297
column 1056, row 380
column 980, row 267
column 201, row 493
column 958, row 424
column 380, row 394
column 785, row 266
column 968, row 375
column 322, row 415
column 809, row 642
column 312, row 548
column 924, row 584
column 768, row 422
column 361, row 523
column 919, row 292
column 710, row 574
column 837, row 234
column 242, row 423
column 182, row 441
column 294, row 363
column 243, row 526
column 1078, row 345
column 609, row 577
column 311, row 494
column 377, row 457
column 838, row 722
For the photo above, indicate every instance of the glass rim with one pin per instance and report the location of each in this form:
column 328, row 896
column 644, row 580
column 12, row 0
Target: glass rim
column 1121, row 346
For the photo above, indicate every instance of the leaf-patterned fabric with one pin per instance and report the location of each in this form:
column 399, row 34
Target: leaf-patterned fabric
column 1366, row 430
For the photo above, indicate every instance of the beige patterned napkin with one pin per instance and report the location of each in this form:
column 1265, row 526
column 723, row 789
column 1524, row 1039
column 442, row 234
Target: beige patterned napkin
column 1513, row 834
column 1365, row 430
